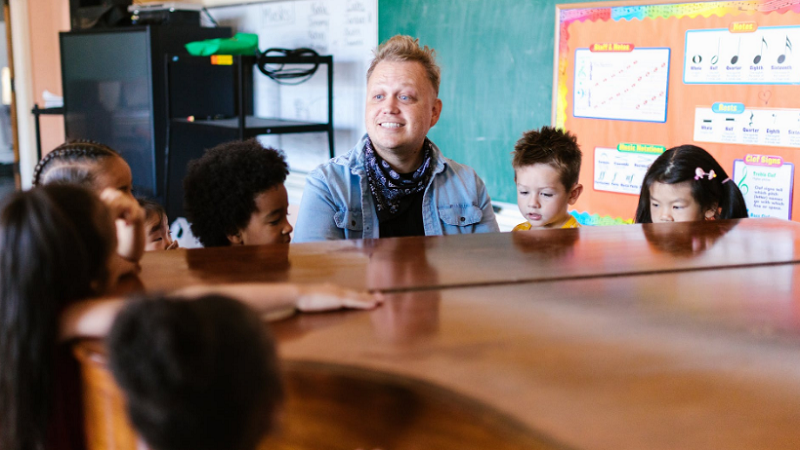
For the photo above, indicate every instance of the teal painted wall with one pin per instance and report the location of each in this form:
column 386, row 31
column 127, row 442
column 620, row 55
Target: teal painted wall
column 497, row 75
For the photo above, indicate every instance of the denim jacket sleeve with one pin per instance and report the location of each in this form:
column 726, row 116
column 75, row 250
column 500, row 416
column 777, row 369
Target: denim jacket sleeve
column 488, row 223
column 315, row 220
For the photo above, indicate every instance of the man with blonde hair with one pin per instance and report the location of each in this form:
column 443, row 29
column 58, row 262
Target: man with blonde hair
column 395, row 181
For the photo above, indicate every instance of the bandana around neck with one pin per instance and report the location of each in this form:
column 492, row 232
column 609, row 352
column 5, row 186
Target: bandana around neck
column 388, row 187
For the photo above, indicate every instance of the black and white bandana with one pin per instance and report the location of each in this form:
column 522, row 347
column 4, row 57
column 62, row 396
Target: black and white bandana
column 389, row 188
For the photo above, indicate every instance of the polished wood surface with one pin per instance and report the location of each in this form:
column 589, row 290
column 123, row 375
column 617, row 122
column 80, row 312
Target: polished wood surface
column 107, row 424
column 333, row 406
column 470, row 260
column 693, row 343
column 692, row 360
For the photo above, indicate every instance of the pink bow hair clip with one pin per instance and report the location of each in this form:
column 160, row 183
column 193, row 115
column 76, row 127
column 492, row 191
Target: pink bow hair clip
column 700, row 173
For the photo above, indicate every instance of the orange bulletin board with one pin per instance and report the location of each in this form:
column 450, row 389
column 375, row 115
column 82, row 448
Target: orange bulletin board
column 634, row 80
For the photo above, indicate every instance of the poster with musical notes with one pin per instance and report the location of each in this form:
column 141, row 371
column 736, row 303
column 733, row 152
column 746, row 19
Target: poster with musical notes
column 730, row 83
column 766, row 184
column 622, row 85
column 762, row 55
column 622, row 169
column 734, row 123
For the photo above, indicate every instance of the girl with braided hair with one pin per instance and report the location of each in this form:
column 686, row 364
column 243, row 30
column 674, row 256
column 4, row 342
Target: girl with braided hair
column 99, row 168
column 91, row 164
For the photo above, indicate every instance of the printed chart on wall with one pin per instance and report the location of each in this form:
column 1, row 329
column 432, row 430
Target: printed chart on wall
column 634, row 81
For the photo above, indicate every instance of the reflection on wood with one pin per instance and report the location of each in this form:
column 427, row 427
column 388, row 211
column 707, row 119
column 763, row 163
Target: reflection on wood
column 657, row 336
column 457, row 261
column 335, row 407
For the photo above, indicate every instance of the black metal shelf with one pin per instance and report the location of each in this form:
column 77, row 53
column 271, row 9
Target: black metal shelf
column 249, row 125
column 254, row 126
column 221, row 88
column 36, row 111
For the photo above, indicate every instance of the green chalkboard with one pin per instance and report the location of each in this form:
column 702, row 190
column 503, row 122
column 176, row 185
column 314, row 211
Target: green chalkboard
column 497, row 75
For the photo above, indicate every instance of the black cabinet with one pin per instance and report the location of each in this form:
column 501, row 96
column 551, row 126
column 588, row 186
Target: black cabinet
column 113, row 84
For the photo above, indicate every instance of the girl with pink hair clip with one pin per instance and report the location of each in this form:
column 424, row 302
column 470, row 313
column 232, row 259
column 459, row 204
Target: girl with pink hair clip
column 687, row 184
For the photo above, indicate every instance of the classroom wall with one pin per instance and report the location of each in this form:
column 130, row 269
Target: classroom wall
column 486, row 110
column 47, row 19
column 497, row 75
column 345, row 29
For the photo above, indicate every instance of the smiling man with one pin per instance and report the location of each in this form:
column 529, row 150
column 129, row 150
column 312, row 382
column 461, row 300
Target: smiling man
column 395, row 181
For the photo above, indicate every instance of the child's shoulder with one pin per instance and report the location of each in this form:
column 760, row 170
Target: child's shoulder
column 572, row 222
column 524, row 226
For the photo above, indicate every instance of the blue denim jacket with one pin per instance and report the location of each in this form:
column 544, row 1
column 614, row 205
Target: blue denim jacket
column 337, row 202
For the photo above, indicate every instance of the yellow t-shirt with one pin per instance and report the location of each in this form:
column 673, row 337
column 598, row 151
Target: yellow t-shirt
column 571, row 223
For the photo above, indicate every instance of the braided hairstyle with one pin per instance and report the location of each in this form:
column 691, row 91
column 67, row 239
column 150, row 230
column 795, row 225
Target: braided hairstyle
column 64, row 164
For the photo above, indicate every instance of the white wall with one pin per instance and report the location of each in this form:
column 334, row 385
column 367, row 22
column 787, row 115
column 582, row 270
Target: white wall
column 346, row 29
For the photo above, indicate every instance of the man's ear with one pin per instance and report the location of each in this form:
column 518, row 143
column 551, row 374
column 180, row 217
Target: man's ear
column 437, row 111
column 236, row 239
column 574, row 193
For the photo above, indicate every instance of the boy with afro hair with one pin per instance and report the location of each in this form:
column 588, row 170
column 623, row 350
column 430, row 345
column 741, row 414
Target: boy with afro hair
column 234, row 195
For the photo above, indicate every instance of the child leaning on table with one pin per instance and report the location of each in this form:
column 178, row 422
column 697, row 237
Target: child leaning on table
column 234, row 195
column 56, row 248
column 547, row 163
column 196, row 375
column 99, row 168
column 687, row 184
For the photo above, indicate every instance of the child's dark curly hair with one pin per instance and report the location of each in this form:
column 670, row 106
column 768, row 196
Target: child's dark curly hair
column 220, row 188
column 550, row 146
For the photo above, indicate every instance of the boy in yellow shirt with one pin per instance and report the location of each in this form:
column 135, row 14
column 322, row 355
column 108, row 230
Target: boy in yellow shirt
column 546, row 164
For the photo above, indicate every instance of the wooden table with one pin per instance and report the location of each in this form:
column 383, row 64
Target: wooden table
column 677, row 336
column 486, row 259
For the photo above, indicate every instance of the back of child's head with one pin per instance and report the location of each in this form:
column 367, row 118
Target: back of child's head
column 55, row 242
column 220, row 188
column 71, row 163
column 551, row 146
column 197, row 374
column 683, row 164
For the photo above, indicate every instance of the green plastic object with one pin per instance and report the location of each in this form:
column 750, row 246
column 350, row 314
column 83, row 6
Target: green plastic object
column 239, row 44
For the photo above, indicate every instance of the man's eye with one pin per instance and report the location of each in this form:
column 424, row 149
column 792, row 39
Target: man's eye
column 404, row 97
column 379, row 97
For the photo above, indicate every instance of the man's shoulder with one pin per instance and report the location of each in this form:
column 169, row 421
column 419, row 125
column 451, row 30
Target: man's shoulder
column 455, row 170
column 457, row 167
column 338, row 167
